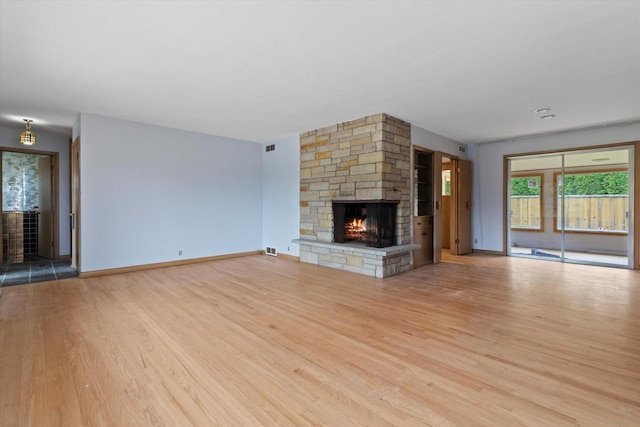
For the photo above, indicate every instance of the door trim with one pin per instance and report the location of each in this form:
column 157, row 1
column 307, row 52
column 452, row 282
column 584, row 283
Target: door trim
column 75, row 205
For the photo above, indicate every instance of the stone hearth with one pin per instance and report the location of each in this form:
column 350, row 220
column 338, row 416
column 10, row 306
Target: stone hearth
column 365, row 159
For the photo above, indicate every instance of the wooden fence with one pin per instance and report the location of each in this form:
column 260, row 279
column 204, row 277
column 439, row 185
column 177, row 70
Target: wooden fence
column 597, row 213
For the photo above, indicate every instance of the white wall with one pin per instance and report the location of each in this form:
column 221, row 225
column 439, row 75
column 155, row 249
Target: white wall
column 10, row 137
column 75, row 128
column 149, row 192
column 488, row 207
column 432, row 141
column 281, row 195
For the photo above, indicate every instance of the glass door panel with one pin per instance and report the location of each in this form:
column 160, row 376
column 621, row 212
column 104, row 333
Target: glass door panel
column 531, row 196
column 596, row 206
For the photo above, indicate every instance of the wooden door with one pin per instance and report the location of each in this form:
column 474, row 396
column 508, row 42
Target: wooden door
column 437, row 207
column 75, row 204
column 45, row 206
column 462, row 215
column 453, row 209
column 446, row 206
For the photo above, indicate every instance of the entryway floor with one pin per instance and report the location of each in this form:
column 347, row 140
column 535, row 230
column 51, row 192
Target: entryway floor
column 41, row 270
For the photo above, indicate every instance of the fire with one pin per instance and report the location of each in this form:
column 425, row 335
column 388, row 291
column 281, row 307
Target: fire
column 355, row 229
column 357, row 225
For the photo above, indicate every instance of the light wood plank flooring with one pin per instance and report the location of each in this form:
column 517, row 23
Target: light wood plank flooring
column 475, row 341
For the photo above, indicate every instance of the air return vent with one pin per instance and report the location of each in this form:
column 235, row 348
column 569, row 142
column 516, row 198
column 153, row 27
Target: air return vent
column 271, row 251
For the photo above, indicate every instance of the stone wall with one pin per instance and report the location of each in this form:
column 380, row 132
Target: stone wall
column 364, row 159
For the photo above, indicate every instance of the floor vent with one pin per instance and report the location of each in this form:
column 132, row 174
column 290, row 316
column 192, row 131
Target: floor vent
column 272, row 251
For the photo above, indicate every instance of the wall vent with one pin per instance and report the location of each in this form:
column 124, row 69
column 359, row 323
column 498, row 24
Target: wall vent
column 271, row 251
column 462, row 148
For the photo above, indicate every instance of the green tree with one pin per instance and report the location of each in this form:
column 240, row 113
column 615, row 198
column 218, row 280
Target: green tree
column 596, row 183
column 520, row 186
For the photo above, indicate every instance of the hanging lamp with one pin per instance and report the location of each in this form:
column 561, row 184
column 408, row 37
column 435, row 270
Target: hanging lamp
column 27, row 137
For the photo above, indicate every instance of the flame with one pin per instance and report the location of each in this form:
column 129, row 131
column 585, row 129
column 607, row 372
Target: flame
column 358, row 225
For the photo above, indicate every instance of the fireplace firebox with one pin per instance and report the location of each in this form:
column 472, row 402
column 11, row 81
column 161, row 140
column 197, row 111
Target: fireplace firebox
column 369, row 222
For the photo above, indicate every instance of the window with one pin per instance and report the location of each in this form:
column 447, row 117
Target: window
column 594, row 201
column 446, row 182
column 526, row 203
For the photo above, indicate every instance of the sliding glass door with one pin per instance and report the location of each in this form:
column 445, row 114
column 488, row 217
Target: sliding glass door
column 572, row 207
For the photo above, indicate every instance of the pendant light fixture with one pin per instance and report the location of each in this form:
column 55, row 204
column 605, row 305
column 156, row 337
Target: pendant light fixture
column 27, row 137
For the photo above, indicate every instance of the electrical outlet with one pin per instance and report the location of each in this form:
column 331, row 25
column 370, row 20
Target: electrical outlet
column 180, row 252
column 475, row 240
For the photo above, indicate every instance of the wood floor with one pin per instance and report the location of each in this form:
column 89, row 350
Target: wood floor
column 475, row 341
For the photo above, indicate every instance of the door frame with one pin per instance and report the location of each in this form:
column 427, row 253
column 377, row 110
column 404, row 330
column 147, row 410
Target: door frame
column 74, row 215
column 54, row 188
column 636, row 186
column 437, row 200
column 437, row 206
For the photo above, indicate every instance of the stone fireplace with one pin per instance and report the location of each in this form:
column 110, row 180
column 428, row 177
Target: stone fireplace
column 357, row 170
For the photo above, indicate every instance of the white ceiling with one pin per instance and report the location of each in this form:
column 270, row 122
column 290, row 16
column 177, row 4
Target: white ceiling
column 473, row 71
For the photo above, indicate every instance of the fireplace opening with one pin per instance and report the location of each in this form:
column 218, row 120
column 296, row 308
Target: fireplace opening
column 371, row 223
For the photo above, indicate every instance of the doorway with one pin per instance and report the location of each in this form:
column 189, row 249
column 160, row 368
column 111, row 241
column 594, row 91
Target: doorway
column 29, row 219
column 573, row 206
column 452, row 216
column 442, row 206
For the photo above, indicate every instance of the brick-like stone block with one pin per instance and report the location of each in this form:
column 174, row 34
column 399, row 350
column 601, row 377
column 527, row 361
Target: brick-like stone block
column 364, row 129
column 341, row 153
column 305, row 157
column 354, row 123
column 314, row 144
column 308, row 257
column 369, row 194
column 326, row 223
column 375, row 177
column 342, row 134
column 375, row 157
column 307, row 139
column 309, row 196
column 319, row 185
column 325, row 236
column 355, row 260
column 365, row 184
column 326, row 130
column 360, row 140
column 362, row 169
column 320, row 251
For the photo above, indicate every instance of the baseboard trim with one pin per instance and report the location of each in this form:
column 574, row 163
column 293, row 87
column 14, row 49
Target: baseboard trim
column 289, row 257
column 110, row 271
column 486, row 252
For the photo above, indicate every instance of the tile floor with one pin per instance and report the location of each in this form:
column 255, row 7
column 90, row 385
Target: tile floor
column 41, row 270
